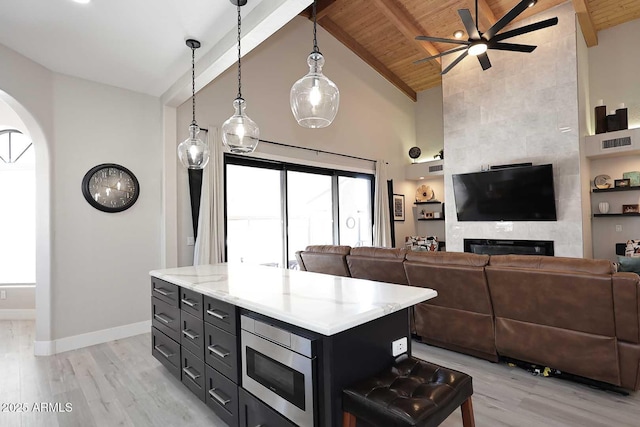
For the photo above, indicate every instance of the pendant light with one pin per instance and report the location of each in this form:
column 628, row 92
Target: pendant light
column 315, row 98
column 192, row 152
column 239, row 133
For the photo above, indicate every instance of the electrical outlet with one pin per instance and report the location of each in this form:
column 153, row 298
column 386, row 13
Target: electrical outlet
column 3, row 294
column 618, row 228
column 399, row 346
column 191, row 241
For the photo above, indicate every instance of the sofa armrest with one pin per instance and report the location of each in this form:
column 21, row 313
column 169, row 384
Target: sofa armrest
column 626, row 303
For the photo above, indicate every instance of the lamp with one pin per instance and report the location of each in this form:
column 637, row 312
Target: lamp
column 192, row 152
column 314, row 98
column 239, row 133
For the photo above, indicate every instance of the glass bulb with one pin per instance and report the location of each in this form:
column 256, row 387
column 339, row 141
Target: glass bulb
column 193, row 153
column 314, row 98
column 239, row 133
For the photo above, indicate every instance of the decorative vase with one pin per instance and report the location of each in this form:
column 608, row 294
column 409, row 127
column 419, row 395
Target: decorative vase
column 603, row 207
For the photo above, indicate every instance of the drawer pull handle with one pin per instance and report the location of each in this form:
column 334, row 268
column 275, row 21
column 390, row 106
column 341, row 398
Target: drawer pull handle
column 162, row 291
column 163, row 318
column 162, row 352
column 219, row 314
column 189, row 302
column 220, row 397
column 190, row 374
column 222, row 353
column 187, row 333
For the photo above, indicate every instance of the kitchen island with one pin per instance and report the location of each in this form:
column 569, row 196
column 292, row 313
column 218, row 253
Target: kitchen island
column 343, row 327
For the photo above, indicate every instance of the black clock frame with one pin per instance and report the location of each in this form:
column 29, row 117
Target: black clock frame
column 89, row 198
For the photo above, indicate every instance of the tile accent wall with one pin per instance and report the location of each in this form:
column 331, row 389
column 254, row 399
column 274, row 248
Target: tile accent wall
column 513, row 113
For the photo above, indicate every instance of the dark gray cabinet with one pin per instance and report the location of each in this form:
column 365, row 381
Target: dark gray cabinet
column 255, row 413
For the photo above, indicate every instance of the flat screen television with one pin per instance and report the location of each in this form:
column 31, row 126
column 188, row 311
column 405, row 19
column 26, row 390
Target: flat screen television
column 523, row 193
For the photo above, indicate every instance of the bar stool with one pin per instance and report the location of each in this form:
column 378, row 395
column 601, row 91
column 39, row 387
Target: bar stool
column 410, row 393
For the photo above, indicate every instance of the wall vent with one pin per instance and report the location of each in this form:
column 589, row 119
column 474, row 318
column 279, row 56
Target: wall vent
column 436, row 168
column 617, row 142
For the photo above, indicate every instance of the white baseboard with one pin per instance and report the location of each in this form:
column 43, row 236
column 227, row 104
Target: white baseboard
column 47, row 348
column 17, row 314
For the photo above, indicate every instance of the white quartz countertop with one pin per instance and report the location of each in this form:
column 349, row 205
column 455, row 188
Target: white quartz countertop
column 318, row 302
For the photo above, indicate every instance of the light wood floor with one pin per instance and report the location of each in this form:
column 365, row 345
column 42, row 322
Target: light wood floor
column 121, row 384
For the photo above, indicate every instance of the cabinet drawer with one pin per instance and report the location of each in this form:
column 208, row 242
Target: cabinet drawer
column 191, row 302
column 192, row 334
column 221, row 351
column 166, row 318
column 167, row 351
column 222, row 396
column 167, row 292
column 193, row 373
column 252, row 413
column 220, row 314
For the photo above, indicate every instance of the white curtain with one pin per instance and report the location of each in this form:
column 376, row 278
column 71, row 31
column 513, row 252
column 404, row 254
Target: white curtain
column 381, row 220
column 209, row 246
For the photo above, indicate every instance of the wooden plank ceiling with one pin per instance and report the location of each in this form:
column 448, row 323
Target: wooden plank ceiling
column 382, row 32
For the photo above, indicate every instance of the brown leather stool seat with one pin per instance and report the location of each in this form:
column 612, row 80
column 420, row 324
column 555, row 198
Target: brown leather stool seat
column 411, row 392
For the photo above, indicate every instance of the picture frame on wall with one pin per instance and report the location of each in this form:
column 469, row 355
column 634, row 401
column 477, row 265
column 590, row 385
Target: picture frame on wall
column 618, row 183
column 398, row 207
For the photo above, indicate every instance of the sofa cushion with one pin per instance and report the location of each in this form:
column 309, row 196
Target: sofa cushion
column 449, row 258
column 326, row 259
column 632, row 249
column 380, row 264
column 629, row 264
column 567, row 265
column 422, row 243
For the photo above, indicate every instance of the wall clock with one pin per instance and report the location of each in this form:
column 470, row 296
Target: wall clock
column 110, row 188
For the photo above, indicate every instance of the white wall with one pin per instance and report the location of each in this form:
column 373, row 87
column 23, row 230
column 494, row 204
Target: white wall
column 98, row 275
column 375, row 120
column 102, row 259
column 613, row 69
column 513, row 113
column 429, row 123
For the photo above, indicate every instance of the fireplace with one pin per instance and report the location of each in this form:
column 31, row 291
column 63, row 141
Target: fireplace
column 504, row 247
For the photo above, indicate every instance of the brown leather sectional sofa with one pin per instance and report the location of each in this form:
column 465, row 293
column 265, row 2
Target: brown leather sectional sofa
column 575, row 315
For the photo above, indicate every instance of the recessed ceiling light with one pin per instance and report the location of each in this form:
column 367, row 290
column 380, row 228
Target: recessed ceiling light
column 82, row 1
column 533, row 3
column 458, row 34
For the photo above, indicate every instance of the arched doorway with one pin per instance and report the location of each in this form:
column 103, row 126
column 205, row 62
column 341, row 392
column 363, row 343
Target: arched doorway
column 43, row 331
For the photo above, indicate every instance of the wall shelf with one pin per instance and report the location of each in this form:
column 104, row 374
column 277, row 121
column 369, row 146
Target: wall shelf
column 429, row 202
column 435, row 219
column 611, row 190
column 615, row 214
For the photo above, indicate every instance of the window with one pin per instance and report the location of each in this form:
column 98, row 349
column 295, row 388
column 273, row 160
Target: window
column 275, row 209
column 17, row 216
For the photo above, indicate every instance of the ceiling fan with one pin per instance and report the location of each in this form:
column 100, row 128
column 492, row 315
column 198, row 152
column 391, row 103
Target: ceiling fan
column 478, row 42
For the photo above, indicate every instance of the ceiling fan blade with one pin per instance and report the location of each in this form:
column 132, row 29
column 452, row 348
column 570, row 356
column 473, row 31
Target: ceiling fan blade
column 457, row 49
column 454, row 63
column 439, row 40
column 469, row 25
column 526, row 29
column 483, row 58
column 513, row 47
column 510, row 16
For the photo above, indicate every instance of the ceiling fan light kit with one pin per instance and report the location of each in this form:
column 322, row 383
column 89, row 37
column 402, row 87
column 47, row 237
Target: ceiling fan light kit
column 478, row 43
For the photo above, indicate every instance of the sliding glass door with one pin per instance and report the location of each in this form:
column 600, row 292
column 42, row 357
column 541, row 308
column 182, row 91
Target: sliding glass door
column 275, row 209
column 254, row 215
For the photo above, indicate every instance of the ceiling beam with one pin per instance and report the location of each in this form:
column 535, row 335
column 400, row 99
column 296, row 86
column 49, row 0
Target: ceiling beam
column 485, row 16
column 586, row 23
column 344, row 38
column 406, row 25
column 322, row 9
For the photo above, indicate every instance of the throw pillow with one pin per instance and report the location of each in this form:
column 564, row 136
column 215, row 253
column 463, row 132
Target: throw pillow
column 421, row 244
column 633, row 248
column 631, row 264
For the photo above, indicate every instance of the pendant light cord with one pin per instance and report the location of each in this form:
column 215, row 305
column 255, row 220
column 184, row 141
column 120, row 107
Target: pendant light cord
column 315, row 36
column 239, row 57
column 193, row 84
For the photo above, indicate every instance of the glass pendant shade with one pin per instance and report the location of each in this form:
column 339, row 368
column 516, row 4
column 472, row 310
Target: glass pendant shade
column 239, row 133
column 314, row 98
column 192, row 152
